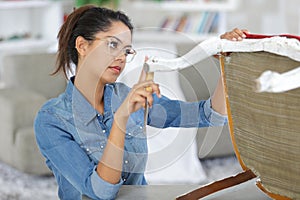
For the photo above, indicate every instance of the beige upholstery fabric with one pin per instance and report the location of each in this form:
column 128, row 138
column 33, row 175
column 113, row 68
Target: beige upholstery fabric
column 27, row 85
column 32, row 71
column 265, row 125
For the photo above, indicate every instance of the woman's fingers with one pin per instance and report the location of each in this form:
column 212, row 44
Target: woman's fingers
column 138, row 97
column 156, row 90
column 139, row 90
column 234, row 35
column 239, row 33
column 245, row 30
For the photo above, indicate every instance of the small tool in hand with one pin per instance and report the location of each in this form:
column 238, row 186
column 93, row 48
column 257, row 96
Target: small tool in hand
column 149, row 76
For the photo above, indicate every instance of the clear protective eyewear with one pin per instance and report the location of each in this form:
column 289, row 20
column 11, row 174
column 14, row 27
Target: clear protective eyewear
column 116, row 48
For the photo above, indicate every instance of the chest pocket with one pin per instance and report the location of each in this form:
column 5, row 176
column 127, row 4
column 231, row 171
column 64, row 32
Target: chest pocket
column 91, row 139
column 94, row 148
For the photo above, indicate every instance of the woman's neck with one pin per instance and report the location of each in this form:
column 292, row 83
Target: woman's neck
column 91, row 89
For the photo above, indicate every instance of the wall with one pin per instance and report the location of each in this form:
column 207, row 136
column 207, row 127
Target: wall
column 266, row 16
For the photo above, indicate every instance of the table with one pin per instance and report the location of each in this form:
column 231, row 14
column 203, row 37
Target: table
column 245, row 191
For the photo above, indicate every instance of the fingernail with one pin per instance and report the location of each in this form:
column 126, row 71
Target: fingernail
column 243, row 35
column 239, row 38
column 233, row 39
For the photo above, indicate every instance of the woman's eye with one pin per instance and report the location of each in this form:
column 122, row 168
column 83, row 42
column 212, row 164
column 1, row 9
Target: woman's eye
column 128, row 51
column 113, row 44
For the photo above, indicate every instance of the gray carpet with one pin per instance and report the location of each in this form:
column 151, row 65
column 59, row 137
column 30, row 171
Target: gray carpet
column 15, row 185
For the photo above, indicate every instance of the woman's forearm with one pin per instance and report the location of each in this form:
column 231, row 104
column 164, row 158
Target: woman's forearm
column 110, row 166
column 218, row 99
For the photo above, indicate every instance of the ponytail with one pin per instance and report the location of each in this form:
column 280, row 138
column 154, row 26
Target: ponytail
column 66, row 47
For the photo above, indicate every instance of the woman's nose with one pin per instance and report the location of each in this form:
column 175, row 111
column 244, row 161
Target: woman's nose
column 121, row 57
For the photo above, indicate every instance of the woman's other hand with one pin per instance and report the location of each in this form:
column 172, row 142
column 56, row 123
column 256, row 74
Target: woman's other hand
column 136, row 98
column 234, row 35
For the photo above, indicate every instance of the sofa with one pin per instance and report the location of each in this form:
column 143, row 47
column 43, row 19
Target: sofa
column 26, row 85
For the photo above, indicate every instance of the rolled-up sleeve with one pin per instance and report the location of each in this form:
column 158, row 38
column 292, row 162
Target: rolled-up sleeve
column 214, row 118
column 174, row 113
column 69, row 160
column 98, row 184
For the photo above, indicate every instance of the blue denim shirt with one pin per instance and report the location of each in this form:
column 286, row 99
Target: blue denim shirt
column 72, row 135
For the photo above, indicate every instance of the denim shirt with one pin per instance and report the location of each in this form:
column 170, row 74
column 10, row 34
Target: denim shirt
column 72, row 135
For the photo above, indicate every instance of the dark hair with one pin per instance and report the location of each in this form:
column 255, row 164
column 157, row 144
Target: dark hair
column 85, row 21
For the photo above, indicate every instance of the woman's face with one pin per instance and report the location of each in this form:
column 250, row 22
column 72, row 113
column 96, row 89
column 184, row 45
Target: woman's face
column 107, row 52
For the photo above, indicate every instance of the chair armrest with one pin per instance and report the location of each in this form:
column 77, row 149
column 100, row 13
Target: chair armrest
column 18, row 108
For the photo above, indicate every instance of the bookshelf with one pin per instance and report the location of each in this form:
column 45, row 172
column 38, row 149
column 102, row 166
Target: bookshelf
column 188, row 6
column 30, row 25
column 177, row 21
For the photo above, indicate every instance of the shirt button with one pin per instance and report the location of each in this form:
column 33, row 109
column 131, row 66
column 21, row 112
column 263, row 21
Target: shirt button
column 129, row 133
column 124, row 179
column 141, row 127
column 101, row 146
column 103, row 131
column 98, row 115
column 87, row 150
column 126, row 161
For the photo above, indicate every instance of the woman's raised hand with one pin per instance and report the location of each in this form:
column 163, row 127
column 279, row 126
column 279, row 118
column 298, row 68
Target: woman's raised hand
column 138, row 96
column 234, row 35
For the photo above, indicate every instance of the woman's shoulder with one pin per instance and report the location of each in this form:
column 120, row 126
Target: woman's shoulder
column 55, row 106
column 51, row 103
column 51, row 123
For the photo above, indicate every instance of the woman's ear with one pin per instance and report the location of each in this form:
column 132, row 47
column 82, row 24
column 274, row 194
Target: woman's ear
column 81, row 45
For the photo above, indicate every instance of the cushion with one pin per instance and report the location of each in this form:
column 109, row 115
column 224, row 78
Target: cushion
column 32, row 71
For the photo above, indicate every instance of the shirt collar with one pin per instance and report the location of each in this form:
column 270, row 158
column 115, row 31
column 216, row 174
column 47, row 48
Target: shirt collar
column 82, row 109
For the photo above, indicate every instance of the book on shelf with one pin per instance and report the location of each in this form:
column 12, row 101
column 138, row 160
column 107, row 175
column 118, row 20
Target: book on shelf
column 182, row 23
column 202, row 23
column 214, row 28
column 211, row 17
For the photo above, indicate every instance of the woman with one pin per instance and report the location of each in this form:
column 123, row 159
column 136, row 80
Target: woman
column 92, row 134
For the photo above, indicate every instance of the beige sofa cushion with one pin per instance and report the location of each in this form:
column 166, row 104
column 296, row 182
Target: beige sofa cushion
column 32, row 71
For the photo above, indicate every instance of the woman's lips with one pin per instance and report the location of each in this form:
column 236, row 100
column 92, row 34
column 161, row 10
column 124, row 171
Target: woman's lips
column 116, row 69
